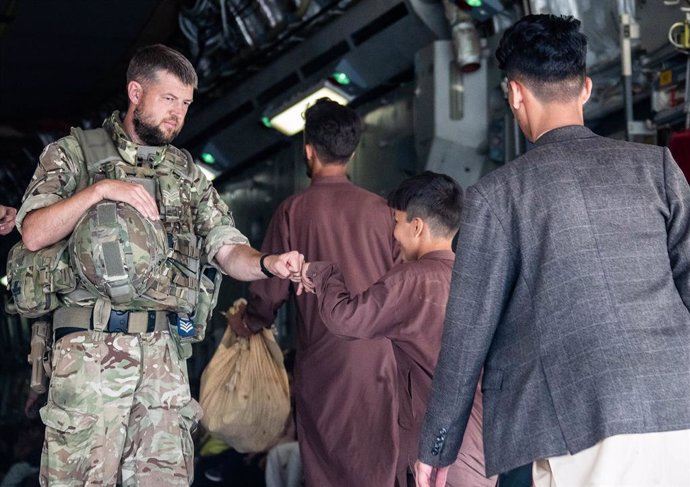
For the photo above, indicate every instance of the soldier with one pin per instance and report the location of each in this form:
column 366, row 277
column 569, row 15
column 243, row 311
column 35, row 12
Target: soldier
column 152, row 231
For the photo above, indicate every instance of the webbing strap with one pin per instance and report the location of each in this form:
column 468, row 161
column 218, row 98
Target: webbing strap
column 79, row 317
column 97, row 147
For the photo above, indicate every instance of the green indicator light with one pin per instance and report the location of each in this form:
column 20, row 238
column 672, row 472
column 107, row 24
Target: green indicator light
column 266, row 121
column 208, row 158
column 341, row 78
column 474, row 3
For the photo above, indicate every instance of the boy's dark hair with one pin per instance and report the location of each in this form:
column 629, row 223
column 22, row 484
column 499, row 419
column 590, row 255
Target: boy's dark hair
column 547, row 53
column 149, row 60
column 333, row 130
column 435, row 198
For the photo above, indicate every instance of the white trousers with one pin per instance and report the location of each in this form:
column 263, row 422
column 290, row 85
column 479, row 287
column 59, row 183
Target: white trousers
column 642, row 460
column 284, row 466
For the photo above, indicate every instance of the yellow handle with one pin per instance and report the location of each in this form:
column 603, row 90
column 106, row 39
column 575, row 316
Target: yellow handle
column 680, row 38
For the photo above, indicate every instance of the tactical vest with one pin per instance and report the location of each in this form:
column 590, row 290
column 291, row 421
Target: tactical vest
column 183, row 285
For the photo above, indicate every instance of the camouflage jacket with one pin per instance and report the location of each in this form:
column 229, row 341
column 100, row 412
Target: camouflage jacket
column 188, row 203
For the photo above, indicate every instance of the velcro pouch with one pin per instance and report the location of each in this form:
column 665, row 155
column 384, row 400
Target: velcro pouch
column 209, row 285
column 176, row 285
column 36, row 278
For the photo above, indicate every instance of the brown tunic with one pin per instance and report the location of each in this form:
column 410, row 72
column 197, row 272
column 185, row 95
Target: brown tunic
column 407, row 305
column 344, row 390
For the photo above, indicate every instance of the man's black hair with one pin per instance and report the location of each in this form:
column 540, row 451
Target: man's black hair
column 547, row 53
column 333, row 130
column 435, row 198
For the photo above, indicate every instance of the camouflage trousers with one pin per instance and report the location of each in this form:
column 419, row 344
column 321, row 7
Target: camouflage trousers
column 119, row 412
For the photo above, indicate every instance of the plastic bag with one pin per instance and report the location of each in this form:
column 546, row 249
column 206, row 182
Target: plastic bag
column 244, row 391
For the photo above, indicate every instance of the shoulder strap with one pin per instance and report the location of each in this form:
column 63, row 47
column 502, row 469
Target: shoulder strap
column 189, row 156
column 180, row 160
column 97, row 146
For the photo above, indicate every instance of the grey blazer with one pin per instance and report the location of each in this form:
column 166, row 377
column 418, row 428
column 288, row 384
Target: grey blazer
column 571, row 288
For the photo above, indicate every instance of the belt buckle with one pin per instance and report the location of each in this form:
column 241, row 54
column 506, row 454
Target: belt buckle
column 118, row 322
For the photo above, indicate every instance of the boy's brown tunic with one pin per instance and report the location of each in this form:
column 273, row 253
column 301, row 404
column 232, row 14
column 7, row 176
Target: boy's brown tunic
column 407, row 306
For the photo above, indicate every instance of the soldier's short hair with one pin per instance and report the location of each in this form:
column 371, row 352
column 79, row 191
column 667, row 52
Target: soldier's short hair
column 149, row 60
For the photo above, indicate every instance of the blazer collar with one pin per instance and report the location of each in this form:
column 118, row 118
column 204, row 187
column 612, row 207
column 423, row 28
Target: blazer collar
column 568, row 132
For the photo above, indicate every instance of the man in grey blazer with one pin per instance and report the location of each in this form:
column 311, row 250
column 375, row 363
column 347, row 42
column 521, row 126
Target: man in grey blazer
column 571, row 290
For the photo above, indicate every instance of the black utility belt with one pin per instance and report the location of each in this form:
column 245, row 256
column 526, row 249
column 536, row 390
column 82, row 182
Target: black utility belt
column 70, row 320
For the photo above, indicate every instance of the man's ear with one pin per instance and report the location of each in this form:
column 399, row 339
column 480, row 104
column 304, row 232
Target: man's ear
column 516, row 96
column 586, row 90
column 135, row 92
column 309, row 151
column 418, row 226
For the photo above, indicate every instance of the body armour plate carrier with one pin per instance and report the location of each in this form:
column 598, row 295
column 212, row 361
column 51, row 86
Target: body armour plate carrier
column 179, row 283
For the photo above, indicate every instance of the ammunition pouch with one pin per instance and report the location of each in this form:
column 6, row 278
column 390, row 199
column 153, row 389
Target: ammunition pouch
column 175, row 285
column 180, row 324
column 209, row 285
column 37, row 277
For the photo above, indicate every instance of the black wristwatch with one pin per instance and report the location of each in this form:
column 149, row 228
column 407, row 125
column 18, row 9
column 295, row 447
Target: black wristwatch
column 264, row 269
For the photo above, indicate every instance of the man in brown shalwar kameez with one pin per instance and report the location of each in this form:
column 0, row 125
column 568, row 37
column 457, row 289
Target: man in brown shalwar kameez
column 407, row 305
column 345, row 391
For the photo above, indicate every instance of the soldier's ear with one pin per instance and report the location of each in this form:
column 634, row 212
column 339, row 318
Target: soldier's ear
column 135, row 91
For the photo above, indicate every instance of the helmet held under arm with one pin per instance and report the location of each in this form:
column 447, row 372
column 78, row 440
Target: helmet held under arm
column 117, row 252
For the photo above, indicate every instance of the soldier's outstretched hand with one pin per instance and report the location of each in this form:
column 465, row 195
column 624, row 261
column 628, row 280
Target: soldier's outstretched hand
column 285, row 266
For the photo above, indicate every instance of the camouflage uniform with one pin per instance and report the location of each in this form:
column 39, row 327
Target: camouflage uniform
column 119, row 408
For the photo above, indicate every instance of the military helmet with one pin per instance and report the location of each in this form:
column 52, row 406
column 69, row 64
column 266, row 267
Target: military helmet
column 116, row 251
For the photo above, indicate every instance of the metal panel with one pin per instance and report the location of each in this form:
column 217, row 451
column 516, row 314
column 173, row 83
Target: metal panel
column 450, row 114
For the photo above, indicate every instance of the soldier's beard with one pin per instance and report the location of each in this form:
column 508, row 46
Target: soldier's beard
column 151, row 134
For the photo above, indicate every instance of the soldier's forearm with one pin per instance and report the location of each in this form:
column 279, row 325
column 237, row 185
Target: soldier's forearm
column 240, row 262
column 45, row 226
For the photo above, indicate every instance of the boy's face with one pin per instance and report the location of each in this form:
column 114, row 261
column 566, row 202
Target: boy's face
column 404, row 233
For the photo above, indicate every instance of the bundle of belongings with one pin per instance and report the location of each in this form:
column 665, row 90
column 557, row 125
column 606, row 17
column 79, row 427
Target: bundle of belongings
column 244, row 390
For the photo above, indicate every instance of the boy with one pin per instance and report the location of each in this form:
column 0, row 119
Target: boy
column 407, row 306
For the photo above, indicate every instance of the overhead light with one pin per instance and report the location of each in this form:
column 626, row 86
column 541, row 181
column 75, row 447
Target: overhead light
column 289, row 119
column 208, row 158
column 3, row 281
column 341, row 78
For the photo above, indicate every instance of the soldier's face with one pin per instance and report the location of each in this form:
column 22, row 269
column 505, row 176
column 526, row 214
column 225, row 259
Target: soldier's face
column 159, row 115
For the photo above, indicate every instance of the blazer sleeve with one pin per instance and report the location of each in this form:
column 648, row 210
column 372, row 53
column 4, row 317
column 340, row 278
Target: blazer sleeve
column 483, row 279
column 678, row 225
